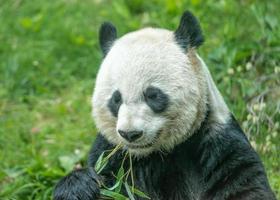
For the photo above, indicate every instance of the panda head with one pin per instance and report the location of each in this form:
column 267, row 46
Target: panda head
column 150, row 92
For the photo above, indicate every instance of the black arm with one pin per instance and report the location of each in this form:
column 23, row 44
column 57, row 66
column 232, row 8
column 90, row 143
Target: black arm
column 85, row 183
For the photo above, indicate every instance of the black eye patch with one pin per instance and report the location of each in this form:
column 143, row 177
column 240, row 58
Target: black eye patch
column 156, row 99
column 115, row 102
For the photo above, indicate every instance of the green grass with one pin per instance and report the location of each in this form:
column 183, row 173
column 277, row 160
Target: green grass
column 49, row 57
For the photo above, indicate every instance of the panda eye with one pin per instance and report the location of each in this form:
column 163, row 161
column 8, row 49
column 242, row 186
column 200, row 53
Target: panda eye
column 152, row 96
column 117, row 98
column 156, row 99
column 115, row 103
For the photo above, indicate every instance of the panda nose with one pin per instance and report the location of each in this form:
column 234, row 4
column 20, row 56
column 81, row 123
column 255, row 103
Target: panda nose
column 130, row 136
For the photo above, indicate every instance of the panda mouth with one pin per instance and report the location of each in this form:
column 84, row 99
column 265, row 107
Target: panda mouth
column 139, row 146
column 147, row 145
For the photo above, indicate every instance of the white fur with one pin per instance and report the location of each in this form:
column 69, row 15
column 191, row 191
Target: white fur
column 151, row 57
column 220, row 110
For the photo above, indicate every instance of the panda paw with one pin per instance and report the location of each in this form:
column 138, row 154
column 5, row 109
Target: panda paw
column 79, row 184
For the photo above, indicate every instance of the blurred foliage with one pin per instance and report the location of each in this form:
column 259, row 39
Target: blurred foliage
column 49, row 57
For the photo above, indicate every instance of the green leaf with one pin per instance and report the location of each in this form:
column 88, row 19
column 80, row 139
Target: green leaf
column 98, row 164
column 120, row 173
column 131, row 197
column 117, row 185
column 101, row 163
column 139, row 193
column 112, row 194
column 120, row 176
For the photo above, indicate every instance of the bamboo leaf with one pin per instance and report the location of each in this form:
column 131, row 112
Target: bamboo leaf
column 99, row 162
column 120, row 173
column 120, row 176
column 113, row 195
column 115, row 186
column 139, row 193
column 131, row 197
column 103, row 165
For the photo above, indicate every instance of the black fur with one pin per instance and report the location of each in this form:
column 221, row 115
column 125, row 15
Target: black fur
column 115, row 102
column 189, row 33
column 107, row 36
column 81, row 184
column 156, row 99
column 216, row 163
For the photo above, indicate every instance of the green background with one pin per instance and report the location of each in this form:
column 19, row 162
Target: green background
column 49, row 57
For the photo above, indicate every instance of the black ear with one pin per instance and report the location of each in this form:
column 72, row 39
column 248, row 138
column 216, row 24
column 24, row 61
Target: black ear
column 107, row 36
column 189, row 33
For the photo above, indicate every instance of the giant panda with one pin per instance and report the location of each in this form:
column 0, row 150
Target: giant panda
column 155, row 96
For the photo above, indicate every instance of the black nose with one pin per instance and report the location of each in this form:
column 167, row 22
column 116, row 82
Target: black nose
column 130, row 136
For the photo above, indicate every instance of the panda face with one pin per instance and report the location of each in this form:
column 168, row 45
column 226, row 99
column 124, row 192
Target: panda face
column 149, row 93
